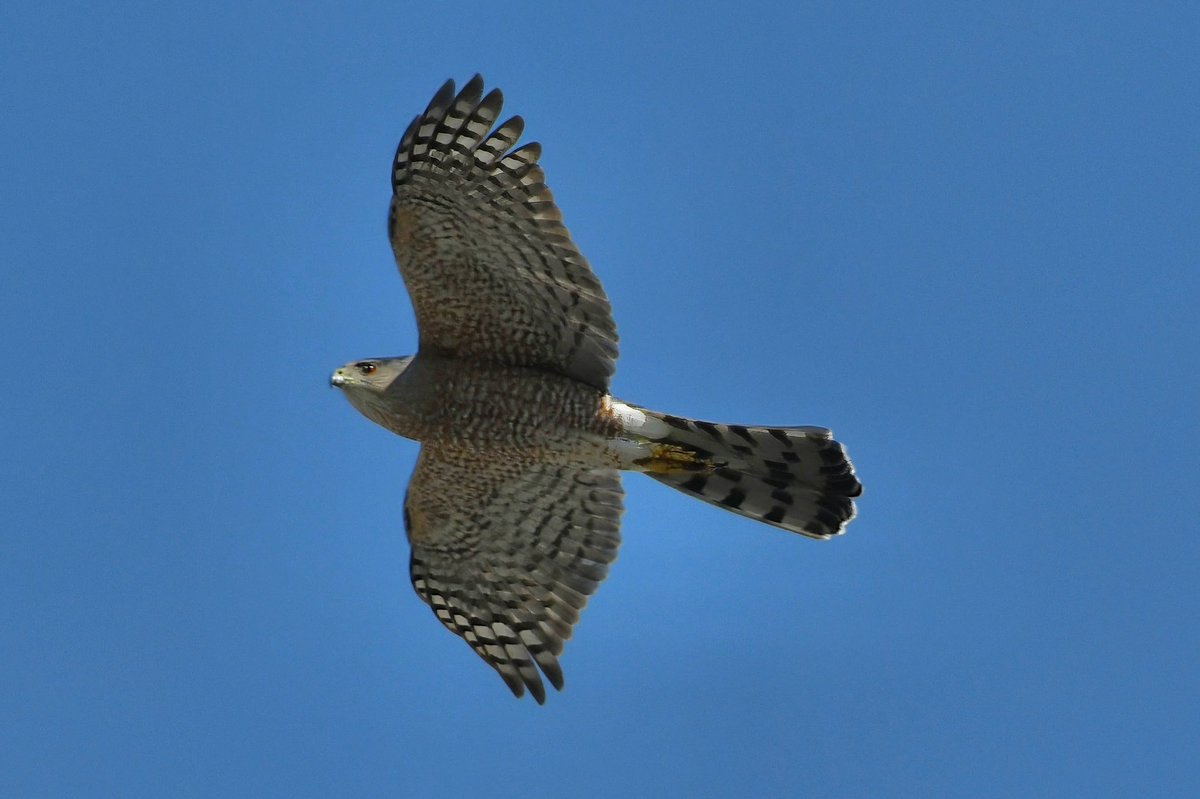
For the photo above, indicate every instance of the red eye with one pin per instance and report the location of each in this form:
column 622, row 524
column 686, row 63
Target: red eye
column 365, row 368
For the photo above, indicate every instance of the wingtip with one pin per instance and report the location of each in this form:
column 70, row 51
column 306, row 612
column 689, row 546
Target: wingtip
column 539, row 695
column 443, row 96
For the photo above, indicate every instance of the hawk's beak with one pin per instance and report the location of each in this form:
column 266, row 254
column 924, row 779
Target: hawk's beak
column 338, row 379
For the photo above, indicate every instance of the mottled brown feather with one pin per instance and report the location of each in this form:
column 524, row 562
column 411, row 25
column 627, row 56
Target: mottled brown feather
column 492, row 271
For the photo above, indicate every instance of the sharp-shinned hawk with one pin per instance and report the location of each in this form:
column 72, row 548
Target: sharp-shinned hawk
column 513, row 511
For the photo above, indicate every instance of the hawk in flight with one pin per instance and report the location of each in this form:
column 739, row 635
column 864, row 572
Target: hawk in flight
column 513, row 511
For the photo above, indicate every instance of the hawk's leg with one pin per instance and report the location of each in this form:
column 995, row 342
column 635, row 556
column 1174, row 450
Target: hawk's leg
column 672, row 459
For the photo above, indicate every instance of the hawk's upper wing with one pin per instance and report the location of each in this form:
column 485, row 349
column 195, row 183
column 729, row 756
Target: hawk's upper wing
column 507, row 554
column 493, row 273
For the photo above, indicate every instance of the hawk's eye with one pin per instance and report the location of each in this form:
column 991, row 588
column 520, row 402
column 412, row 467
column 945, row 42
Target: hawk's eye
column 366, row 368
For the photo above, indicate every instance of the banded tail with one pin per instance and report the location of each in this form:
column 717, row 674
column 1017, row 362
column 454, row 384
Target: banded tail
column 796, row 478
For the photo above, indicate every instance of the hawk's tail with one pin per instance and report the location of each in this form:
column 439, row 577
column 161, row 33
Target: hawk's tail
column 797, row 478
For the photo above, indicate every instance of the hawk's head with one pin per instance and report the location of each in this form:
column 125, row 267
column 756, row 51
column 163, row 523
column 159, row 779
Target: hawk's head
column 372, row 374
column 365, row 382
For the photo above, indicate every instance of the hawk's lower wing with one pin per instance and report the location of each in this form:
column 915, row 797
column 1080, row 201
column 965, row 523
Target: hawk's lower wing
column 492, row 271
column 508, row 553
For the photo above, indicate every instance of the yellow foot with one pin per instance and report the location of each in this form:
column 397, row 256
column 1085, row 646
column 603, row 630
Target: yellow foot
column 670, row 459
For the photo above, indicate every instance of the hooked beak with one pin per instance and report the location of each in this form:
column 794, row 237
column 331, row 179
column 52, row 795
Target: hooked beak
column 338, row 379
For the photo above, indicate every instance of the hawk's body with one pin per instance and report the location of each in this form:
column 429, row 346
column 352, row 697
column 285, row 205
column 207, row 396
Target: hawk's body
column 482, row 407
column 513, row 510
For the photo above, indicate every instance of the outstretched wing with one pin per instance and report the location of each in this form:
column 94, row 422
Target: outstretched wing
column 507, row 555
column 493, row 273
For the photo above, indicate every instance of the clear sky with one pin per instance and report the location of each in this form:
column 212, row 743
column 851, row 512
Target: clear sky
column 965, row 239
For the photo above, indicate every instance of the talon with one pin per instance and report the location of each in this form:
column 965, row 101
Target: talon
column 670, row 459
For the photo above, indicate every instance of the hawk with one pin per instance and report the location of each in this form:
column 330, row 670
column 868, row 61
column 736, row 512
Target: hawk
column 513, row 511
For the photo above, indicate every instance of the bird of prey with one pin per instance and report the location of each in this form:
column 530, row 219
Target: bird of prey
column 513, row 510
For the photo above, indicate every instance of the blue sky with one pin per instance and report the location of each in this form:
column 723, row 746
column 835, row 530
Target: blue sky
column 964, row 238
